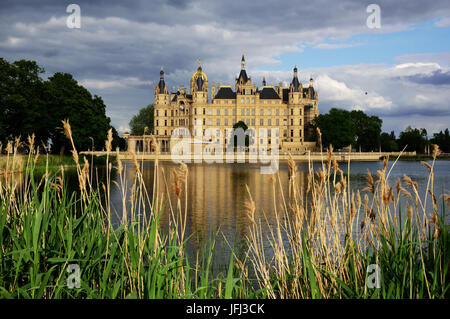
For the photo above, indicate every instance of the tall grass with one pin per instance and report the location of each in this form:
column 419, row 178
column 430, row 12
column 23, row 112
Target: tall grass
column 323, row 240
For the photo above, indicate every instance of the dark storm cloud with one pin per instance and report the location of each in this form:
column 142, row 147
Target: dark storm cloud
column 438, row 77
column 121, row 46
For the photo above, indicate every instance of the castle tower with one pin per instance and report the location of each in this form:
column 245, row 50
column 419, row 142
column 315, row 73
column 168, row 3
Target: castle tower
column 161, row 93
column 199, row 86
column 243, row 84
column 295, row 89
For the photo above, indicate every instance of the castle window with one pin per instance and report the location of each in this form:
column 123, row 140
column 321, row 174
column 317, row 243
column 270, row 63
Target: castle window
column 277, row 121
column 269, row 102
column 261, row 122
column 284, row 133
column 269, row 112
column 195, row 111
column 225, row 102
column 234, row 111
column 209, row 111
column 156, row 132
column 253, row 122
column 157, row 112
column 284, row 122
column 242, row 112
column 204, row 111
column 292, row 111
column 261, row 112
column 277, row 112
column 218, row 111
column 292, row 121
column 157, row 123
column 209, row 121
column 242, row 100
column 269, row 122
column 248, row 101
column 226, row 122
column 248, row 111
column 292, row 134
column 165, row 122
column 253, row 101
column 165, row 112
column 284, row 112
column 204, row 121
column 247, row 121
column 300, row 133
column 253, row 111
column 226, row 111
column 218, row 122
column 300, row 122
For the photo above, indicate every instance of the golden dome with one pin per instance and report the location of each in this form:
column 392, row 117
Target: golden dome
column 198, row 73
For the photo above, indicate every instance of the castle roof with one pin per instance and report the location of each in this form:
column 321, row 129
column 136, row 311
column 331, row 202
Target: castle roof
column 268, row 92
column 225, row 93
column 243, row 76
column 285, row 94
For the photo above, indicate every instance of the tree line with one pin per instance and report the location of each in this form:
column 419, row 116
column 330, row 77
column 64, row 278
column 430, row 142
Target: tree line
column 355, row 129
column 31, row 105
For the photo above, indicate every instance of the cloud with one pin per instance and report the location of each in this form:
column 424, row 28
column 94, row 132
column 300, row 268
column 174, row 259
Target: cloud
column 443, row 22
column 333, row 46
column 121, row 46
column 437, row 77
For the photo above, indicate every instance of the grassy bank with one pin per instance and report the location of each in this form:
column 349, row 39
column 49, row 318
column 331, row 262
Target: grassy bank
column 321, row 245
column 51, row 162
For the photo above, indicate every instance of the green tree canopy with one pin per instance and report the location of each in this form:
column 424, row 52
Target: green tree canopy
column 342, row 128
column 414, row 139
column 337, row 128
column 367, row 130
column 141, row 120
column 388, row 142
column 442, row 139
column 22, row 101
column 29, row 104
column 86, row 113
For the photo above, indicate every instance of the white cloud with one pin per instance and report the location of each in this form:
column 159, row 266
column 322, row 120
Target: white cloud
column 443, row 22
column 333, row 46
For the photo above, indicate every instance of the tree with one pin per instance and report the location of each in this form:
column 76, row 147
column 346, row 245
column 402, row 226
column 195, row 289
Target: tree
column 442, row 139
column 86, row 114
column 29, row 105
column 367, row 130
column 388, row 142
column 337, row 128
column 118, row 141
column 414, row 139
column 143, row 119
column 22, row 101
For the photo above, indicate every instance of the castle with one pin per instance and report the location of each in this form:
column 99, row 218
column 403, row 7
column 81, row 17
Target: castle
column 290, row 109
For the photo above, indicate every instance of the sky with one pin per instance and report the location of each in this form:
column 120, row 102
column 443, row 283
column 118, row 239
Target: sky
column 399, row 71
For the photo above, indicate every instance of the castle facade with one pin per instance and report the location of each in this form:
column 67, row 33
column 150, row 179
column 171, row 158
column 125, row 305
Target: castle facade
column 289, row 109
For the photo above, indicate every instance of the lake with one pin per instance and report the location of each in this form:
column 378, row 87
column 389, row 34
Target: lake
column 217, row 192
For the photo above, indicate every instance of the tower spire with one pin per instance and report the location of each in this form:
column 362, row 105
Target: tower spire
column 243, row 61
column 264, row 80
